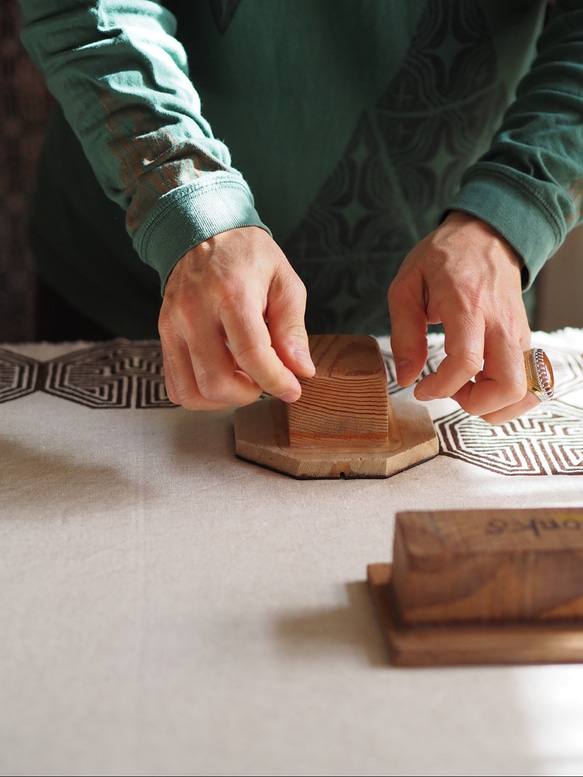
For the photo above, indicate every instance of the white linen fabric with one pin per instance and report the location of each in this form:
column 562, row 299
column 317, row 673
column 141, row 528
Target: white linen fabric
column 166, row 608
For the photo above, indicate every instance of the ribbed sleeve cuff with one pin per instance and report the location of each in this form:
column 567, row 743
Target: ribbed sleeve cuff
column 190, row 214
column 515, row 211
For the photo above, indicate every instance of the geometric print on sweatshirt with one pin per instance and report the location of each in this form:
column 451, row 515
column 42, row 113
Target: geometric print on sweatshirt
column 401, row 166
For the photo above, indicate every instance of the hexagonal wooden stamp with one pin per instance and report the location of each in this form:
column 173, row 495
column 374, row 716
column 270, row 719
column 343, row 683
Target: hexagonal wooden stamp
column 343, row 425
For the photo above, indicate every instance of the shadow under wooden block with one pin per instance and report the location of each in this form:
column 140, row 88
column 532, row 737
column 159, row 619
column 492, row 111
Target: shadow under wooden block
column 344, row 425
column 483, row 587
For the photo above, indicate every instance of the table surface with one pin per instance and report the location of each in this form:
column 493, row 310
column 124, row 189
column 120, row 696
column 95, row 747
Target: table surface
column 168, row 608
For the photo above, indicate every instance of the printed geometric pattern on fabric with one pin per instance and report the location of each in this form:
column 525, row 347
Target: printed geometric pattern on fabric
column 122, row 374
column 18, row 375
column 113, row 375
column 568, row 372
column 118, row 375
column 402, row 164
column 548, row 441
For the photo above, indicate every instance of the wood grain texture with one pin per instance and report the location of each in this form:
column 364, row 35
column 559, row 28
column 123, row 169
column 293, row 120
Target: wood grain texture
column 261, row 436
column 483, row 587
column 343, row 425
column 489, row 566
column 347, row 398
column 459, row 644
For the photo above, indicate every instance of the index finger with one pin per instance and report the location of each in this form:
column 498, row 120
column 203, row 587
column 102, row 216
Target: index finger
column 250, row 344
column 464, row 348
column 408, row 328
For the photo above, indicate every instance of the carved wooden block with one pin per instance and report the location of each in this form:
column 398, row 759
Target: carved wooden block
column 490, row 586
column 347, row 398
column 344, row 424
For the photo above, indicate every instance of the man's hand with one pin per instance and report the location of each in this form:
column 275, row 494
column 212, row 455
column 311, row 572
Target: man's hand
column 217, row 348
column 468, row 278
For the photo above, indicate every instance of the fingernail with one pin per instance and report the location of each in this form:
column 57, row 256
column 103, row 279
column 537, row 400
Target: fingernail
column 405, row 374
column 288, row 396
column 423, row 396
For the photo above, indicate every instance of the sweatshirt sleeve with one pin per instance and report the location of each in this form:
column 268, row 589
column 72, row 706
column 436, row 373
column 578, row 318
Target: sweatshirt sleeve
column 529, row 184
column 122, row 80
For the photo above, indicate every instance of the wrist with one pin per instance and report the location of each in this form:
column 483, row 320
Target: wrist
column 483, row 231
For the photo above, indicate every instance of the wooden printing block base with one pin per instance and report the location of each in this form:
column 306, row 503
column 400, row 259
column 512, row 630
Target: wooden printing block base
column 261, row 436
column 344, row 423
column 483, row 587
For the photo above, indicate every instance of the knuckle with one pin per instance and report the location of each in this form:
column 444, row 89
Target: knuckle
column 212, row 387
column 287, row 292
column 183, row 312
column 494, row 419
column 219, row 390
column 185, row 394
column 192, row 404
column 189, row 401
column 515, row 389
column 397, row 285
column 165, row 330
column 469, row 363
column 295, row 335
column 178, row 315
column 230, row 291
column 294, row 285
column 164, row 322
column 172, row 396
column 253, row 357
column 399, row 292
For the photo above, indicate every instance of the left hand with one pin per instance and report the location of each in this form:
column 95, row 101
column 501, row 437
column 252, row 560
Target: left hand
column 465, row 276
column 216, row 346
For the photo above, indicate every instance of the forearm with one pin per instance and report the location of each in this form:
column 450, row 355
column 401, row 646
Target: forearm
column 121, row 78
column 529, row 184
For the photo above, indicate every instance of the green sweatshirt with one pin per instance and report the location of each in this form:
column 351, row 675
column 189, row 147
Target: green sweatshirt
column 345, row 128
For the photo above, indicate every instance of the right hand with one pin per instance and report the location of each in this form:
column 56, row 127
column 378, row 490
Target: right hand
column 217, row 349
column 465, row 276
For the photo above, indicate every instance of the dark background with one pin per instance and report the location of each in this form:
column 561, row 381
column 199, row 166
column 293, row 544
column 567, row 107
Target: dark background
column 24, row 109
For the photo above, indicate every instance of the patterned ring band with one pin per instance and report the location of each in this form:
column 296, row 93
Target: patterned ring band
column 540, row 380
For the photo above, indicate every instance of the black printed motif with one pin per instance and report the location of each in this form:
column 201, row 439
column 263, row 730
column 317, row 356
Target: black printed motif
column 118, row 374
column 548, row 441
column 402, row 164
column 128, row 375
column 223, row 12
column 18, row 375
